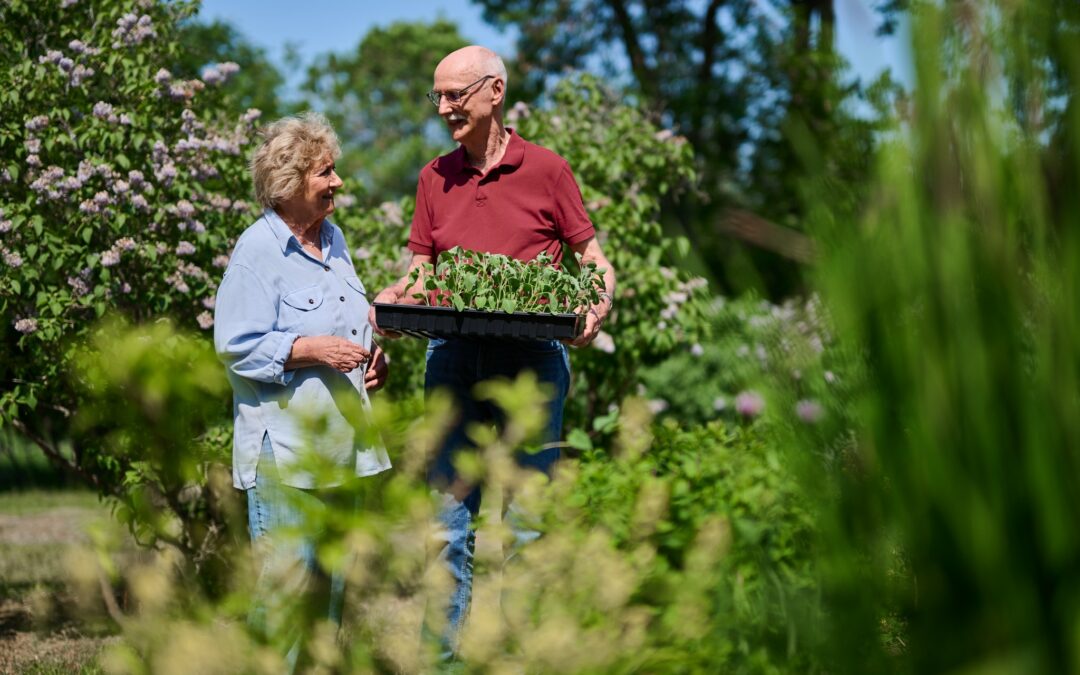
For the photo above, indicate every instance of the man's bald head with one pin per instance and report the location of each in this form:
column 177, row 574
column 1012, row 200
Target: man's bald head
column 472, row 63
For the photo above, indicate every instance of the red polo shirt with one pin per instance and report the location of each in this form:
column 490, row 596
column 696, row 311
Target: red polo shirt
column 526, row 204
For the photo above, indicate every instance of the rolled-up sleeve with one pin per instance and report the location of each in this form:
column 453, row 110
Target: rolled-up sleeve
column 245, row 316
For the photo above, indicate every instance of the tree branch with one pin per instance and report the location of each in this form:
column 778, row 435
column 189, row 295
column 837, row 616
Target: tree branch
column 56, row 457
column 632, row 43
column 753, row 229
column 709, row 34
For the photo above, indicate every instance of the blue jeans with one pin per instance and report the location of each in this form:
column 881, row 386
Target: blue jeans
column 457, row 366
column 292, row 587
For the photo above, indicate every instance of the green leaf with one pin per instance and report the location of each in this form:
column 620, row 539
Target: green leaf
column 579, row 440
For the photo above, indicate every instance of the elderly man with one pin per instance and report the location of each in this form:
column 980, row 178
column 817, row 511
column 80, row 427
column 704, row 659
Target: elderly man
column 500, row 194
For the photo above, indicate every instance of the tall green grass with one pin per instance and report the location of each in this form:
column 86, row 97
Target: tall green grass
column 958, row 512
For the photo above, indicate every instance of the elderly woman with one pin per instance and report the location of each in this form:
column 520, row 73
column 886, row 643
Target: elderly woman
column 291, row 326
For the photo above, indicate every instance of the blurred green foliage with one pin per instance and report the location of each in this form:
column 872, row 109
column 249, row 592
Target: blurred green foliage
column 673, row 550
column 959, row 282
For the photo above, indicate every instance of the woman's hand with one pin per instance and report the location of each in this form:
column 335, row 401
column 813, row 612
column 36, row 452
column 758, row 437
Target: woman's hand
column 375, row 377
column 327, row 350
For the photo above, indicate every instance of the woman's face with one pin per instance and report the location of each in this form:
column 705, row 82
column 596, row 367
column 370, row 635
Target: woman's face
column 316, row 197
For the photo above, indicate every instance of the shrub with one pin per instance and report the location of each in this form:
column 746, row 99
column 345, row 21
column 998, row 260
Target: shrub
column 121, row 190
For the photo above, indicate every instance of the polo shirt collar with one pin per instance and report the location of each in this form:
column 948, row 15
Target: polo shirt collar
column 284, row 235
column 515, row 153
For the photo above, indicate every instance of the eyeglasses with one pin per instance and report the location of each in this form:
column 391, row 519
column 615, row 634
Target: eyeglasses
column 453, row 96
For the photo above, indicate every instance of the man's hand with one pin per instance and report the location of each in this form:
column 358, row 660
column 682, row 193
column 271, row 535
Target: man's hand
column 594, row 318
column 590, row 251
column 377, row 371
column 327, row 350
column 387, row 296
column 398, row 294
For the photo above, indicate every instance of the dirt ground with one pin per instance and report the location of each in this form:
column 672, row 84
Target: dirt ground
column 40, row 631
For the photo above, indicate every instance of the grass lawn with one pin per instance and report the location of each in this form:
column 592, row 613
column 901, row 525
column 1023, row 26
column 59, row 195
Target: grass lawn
column 40, row 630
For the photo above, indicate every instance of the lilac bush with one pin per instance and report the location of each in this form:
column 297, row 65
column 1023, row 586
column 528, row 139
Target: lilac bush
column 122, row 189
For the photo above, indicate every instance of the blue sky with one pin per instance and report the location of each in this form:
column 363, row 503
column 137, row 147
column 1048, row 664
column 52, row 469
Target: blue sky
column 317, row 26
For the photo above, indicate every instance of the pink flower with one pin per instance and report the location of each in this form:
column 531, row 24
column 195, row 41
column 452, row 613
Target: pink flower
column 110, row 258
column 749, row 404
column 13, row 259
column 809, row 411
column 185, row 248
column 206, row 320
column 221, row 261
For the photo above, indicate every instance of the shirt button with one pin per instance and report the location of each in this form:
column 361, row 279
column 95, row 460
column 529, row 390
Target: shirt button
column 326, row 268
column 311, row 301
column 343, row 298
column 354, row 331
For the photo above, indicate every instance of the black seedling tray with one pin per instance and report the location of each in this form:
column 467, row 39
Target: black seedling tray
column 427, row 322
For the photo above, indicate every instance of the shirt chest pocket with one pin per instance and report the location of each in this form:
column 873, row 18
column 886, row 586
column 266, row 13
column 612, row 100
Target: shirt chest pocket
column 354, row 283
column 299, row 311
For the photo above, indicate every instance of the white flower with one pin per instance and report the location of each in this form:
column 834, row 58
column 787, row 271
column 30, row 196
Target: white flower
column 221, row 261
column 657, row 405
column 13, row 259
column 185, row 248
column 696, row 349
column 830, row 377
column 102, row 110
column 26, row 326
column 206, row 320
column 393, row 213
column 124, row 244
column 719, row 403
column 604, row 342
column 110, row 258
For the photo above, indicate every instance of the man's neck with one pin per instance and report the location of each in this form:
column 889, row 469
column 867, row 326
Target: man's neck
column 488, row 151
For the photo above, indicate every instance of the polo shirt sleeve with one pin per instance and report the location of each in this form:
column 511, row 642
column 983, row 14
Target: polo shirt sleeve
column 572, row 221
column 244, row 335
column 420, row 238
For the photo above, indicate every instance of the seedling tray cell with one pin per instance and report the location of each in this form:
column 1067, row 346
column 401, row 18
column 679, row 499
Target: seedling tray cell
column 427, row 322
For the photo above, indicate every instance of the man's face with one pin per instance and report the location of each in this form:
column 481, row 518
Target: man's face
column 472, row 113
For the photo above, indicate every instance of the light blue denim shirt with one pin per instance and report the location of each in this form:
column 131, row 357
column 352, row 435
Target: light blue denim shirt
column 274, row 292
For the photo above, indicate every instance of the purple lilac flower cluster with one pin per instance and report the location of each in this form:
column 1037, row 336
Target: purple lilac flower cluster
column 75, row 72
column 26, row 325
column 111, row 257
column 219, row 73
column 133, row 30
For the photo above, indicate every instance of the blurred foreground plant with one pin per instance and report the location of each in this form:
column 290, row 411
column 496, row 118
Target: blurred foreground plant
column 960, row 283
column 690, row 550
